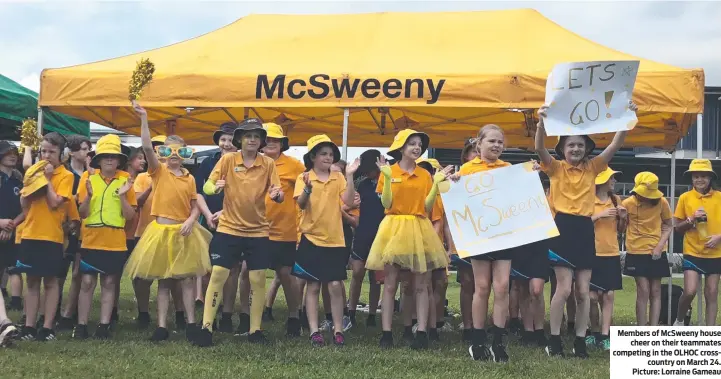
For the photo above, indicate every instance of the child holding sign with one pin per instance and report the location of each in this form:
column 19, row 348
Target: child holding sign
column 572, row 183
column 698, row 217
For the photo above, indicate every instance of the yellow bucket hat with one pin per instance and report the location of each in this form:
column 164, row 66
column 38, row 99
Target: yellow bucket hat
column 400, row 140
column 159, row 140
column 274, row 130
column 34, row 179
column 433, row 162
column 646, row 185
column 701, row 165
column 108, row 144
column 605, row 176
column 315, row 143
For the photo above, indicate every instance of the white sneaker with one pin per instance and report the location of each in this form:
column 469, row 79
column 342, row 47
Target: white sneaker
column 347, row 324
column 415, row 328
column 678, row 323
column 325, row 326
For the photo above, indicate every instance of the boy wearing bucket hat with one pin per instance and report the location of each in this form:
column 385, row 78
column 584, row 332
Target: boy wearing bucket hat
column 572, row 182
column 107, row 203
column 243, row 229
column 698, row 218
column 649, row 227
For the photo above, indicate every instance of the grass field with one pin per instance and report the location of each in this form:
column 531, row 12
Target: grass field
column 129, row 354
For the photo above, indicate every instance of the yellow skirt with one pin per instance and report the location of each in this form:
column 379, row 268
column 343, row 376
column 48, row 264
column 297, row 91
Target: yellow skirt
column 409, row 242
column 162, row 253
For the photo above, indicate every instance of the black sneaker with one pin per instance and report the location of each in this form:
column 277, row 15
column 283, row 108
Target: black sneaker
column 528, row 338
column 28, row 333
column 386, row 341
column 433, row 334
column 190, row 331
column 45, row 335
column 555, row 347
column 180, row 323
column 420, row 342
column 371, row 321
column 292, row 327
column 80, row 332
column 258, row 337
column 579, row 348
column 102, row 332
column 243, row 325
column 8, row 334
column 408, row 334
column 515, row 327
column 467, row 335
column 541, row 339
column 226, row 323
column 160, row 334
column 268, row 314
column 143, row 320
column 64, row 323
column 203, row 338
column 498, row 353
column 479, row 352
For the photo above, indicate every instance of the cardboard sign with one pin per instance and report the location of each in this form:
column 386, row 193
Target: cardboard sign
column 498, row 209
column 590, row 98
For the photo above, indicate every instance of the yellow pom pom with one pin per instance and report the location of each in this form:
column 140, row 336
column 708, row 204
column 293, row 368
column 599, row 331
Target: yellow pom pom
column 142, row 75
column 29, row 136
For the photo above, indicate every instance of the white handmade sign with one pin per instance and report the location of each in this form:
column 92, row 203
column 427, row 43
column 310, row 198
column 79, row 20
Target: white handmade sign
column 497, row 209
column 590, row 98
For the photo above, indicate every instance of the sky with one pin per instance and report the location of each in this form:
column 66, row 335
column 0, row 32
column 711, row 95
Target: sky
column 38, row 35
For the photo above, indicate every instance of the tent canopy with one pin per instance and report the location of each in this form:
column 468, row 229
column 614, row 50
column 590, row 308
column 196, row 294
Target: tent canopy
column 446, row 74
column 18, row 103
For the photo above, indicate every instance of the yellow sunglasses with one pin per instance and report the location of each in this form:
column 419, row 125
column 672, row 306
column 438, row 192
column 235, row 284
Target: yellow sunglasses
column 183, row 152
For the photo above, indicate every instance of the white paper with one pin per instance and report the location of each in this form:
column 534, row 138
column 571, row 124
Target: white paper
column 498, row 209
column 590, row 98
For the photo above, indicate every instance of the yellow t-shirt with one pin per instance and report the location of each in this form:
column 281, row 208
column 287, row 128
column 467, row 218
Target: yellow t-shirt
column 281, row 215
column 43, row 223
column 175, row 193
column 409, row 191
column 321, row 221
column 573, row 187
column 688, row 204
column 644, row 224
column 606, row 230
column 141, row 184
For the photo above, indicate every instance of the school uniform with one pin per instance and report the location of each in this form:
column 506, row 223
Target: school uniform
column 696, row 256
column 214, row 201
column 606, row 275
column 10, row 186
column 370, row 217
column 283, row 224
column 642, row 235
column 142, row 182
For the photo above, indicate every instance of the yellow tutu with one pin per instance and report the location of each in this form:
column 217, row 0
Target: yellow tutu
column 162, row 253
column 409, row 242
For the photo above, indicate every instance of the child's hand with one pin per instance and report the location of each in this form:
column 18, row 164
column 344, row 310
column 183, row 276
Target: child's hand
column 622, row 212
column 187, row 227
column 455, row 177
column 220, row 184
column 306, row 180
column 89, row 188
column 7, row 224
column 632, row 106
column 211, row 223
column 383, row 166
column 542, row 114
column 700, row 213
column 609, row 213
column 49, row 170
column 536, row 166
column 443, row 174
column 656, row 254
column 353, row 167
column 5, row 235
column 713, row 241
column 356, row 200
column 125, row 188
column 139, row 110
column 275, row 192
column 216, row 216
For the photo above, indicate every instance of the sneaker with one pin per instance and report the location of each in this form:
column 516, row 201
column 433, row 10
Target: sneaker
column 446, row 328
column 226, row 323
column 102, row 332
column 325, row 326
column 420, row 341
column 414, row 329
column 528, row 338
column 64, row 323
column 408, row 335
column 371, row 321
column 541, row 339
column 605, row 344
column 316, row 339
column 160, row 334
column 339, row 339
column 467, row 335
column 479, row 352
column 498, row 353
column 386, row 341
column 555, row 347
column 292, row 327
column 45, row 335
column 258, row 337
column 8, row 333
column 268, row 315
column 180, row 323
column 203, row 338
column 515, row 327
column 143, row 321
column 190, row 331
column 433, row 335
column 579, row 348
column 28, row 333
column 347, row 324
column 679, row 323
column 243, row 325
column 80, row 332
column 591, row 340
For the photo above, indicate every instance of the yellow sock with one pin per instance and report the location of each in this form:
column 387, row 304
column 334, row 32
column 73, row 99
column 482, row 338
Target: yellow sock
column 257, row 285
column 213, row 295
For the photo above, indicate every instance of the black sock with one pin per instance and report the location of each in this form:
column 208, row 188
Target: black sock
column 407, row 330
column 227, row 315
column 420, row 334
column 329, row 317
column 556, row 338
column 579, row 341
column 345, row 311
column 414, row 321
column 498, row 335
column 16, row 301
column 440, row 324
column 479, row 337
column 351, row 314
column 268, row 310
column 597, row 335
column 602, row 337
column 388, row 334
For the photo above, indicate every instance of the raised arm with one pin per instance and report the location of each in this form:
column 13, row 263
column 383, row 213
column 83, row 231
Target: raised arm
column 437, row 178
column 617, row 141
column 540, row 140
column 349, row 195
column 150, row 156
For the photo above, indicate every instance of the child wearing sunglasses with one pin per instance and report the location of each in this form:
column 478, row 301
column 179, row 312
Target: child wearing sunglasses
column 172, row 248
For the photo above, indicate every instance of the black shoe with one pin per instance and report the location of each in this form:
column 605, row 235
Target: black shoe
column 258, row 337
column 479, row 352
column 243, row 325
column 420, row 341
column 371, row 321
column 199, row 304
column 292, row 327
column 80, row 332
column 102, row 332
column 226, row 323
column 408, row 334
column 555, row 347
column 498, row 353
column 541, row 339
column 515, row 327
column 467, row 335
column 180, row 323
column 28, row 333
column 143, row 320
column 203, row 338
column 579, row 348
column 45, row 335
column 386, row 341
column 433, row 334
column 268, row 314
column 528, row 338
column 160, row 334
column 64, row 323
column 190, row 331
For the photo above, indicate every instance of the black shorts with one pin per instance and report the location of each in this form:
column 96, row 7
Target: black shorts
column 282, row 254
column 500, row 255
column 643, row 266
column 320, row 264
column 40, row 258
column 8, row 254
column 130, row 245
column 705, row 266
column 227, row 250
column 575, row 247
column 361, row 248
column 606, row 275
column 531, row 262
column 102, row 262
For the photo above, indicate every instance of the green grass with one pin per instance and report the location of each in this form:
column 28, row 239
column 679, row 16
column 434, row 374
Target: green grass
column 129, row 355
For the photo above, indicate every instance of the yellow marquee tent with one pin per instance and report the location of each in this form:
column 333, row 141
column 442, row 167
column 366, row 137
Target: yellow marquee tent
column 443, row 73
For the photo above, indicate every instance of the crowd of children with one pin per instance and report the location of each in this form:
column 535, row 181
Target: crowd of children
column 99, row 215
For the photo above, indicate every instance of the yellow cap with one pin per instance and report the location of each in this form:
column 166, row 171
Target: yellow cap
column 700, row 165
column 274, row 130
column 403, row 136
column 647, row 185
column 108, row 144
column 315, row 142
column 433, row 162
column 34, row 179
column 605, row 176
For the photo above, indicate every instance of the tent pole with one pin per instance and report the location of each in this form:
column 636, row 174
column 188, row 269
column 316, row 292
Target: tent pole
column 671, row 239
column 699, row 155
column 40, row 121
column 699, row 135
column 346, row 115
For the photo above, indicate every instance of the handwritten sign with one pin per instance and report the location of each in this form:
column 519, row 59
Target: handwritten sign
column 590, row 98
column 498, row 209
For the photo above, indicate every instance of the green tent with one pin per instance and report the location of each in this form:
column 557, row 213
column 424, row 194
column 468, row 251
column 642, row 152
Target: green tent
column 18, row 103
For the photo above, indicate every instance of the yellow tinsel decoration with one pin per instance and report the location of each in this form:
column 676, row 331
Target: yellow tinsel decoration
column 142, row 75
column 29, row 136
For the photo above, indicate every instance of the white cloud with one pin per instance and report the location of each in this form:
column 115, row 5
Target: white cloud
column 31, row 81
